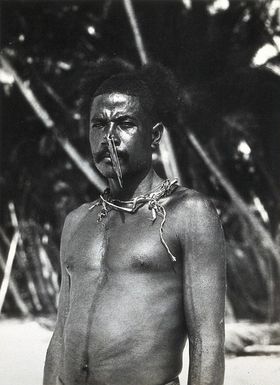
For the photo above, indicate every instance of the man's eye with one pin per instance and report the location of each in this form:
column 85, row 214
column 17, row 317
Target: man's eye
column 126, row 124
column 98, row 126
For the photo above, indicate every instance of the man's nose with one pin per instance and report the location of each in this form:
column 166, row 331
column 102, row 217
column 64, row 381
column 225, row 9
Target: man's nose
column 113, row 132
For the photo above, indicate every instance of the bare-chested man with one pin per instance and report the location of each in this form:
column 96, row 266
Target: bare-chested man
column 134, row 286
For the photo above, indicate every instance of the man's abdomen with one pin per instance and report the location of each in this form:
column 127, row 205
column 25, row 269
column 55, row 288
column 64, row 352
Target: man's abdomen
column 124, row 328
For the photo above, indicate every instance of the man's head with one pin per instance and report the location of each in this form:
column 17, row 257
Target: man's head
column 131, row 109
column 132, row 128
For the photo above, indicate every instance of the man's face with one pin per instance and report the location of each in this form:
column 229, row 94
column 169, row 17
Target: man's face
column 122, row 117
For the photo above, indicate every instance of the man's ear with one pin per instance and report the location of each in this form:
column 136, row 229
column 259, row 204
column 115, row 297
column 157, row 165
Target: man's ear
column 157, row 131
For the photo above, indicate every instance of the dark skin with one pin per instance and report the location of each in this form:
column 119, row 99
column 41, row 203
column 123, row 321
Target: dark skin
column 125, row 309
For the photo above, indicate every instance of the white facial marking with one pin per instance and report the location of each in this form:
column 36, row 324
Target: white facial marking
column 118, row 98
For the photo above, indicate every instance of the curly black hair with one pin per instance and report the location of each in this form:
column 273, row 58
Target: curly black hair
column 154, row 84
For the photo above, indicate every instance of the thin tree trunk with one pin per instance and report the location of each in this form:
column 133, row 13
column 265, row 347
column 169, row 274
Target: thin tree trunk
column 136, row 31
column 264, row 267
column 8, row 268
column 49, row 275
column 15, row 292
column 32, row 244
column 24, row 267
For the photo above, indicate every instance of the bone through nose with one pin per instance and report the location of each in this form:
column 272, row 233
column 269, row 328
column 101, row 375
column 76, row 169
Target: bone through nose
column 111, row 129
column 112, row 133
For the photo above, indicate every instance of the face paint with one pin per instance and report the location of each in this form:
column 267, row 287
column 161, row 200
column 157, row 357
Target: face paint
column 114, row 158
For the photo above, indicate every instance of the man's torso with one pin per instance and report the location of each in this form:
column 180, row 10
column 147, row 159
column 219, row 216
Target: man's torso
column 125, row 323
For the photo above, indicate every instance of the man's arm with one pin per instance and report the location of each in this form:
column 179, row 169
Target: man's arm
column 54, row 349
column 204, row 291
column 51, row 369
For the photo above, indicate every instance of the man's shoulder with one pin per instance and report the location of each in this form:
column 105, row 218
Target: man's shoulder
column 189, row 203
column 78, row 213
column 71, row 223
column 189, row 198
column 75, row 216
column 196, row 216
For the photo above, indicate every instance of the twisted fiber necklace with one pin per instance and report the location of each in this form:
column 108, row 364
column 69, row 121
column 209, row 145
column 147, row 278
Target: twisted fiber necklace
column 133, row 205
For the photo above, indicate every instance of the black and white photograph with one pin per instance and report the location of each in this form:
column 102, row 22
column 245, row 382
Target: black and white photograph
column 140, row 192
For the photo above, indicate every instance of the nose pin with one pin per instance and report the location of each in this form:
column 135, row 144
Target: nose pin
column 111, row 138
column 114, row 157
column 111, row 128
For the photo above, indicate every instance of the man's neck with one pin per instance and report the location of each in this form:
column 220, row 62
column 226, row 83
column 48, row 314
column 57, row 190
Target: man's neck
column 134, row 185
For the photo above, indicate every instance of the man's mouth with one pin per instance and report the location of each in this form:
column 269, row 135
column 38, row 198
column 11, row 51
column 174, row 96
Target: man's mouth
column 106, row 155
column 102, row 155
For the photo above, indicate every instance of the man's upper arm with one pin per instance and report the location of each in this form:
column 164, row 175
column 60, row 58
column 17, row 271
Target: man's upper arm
column 51, row 369
column 63, row 303
column 70, row 225
column 204, row 271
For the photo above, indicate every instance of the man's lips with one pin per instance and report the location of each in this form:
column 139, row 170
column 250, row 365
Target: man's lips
column 105, row 155
column 99, row 156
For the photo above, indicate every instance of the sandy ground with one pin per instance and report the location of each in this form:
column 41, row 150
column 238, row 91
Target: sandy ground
column 24, row 343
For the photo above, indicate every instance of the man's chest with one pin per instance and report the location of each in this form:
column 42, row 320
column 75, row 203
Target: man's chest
column 121, row 242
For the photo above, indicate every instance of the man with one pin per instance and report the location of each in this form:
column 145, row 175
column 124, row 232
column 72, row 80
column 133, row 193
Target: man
column 142, row 267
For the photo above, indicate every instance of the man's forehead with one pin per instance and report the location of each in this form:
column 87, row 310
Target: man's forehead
column 115, row 100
